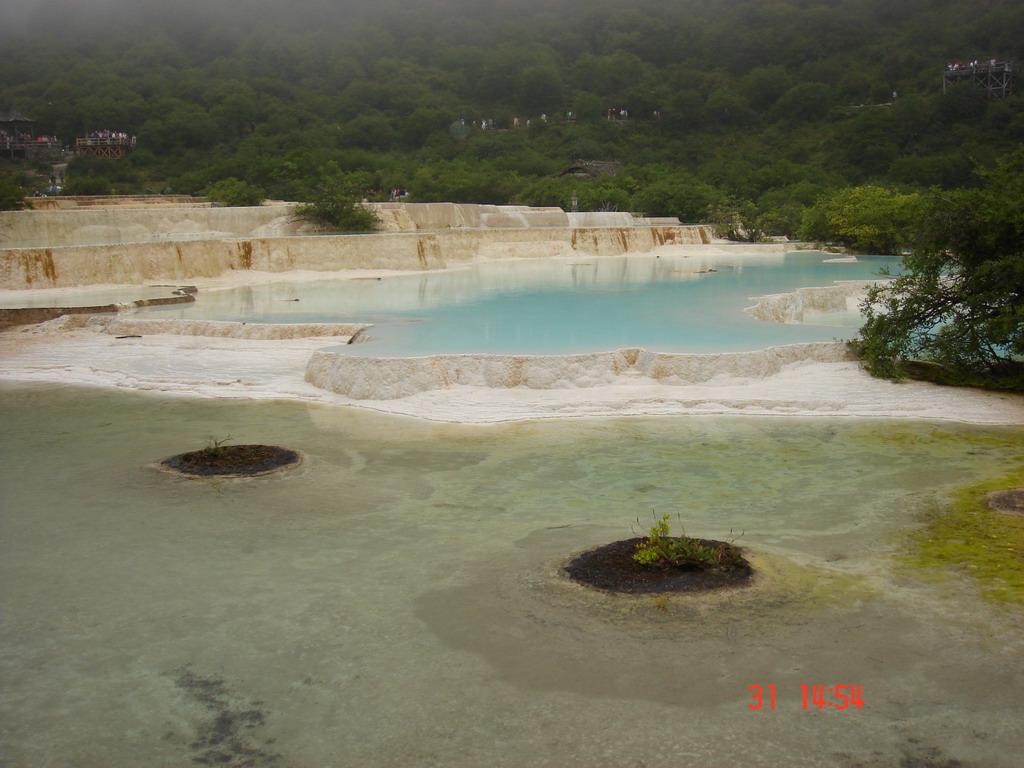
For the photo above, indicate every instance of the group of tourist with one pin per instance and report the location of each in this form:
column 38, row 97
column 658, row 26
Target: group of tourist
column 623, row 114
column 490, row 125
column 569, row 116
column 111, row 137
column 16, row 137
column 6, row 139
column 957, row 66
column 378, row 194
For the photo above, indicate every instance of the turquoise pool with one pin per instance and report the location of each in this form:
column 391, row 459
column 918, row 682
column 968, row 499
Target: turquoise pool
column 685, row 303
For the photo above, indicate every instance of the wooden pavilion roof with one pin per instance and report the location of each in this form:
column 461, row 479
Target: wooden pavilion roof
column 14, row 116
column 591, row 168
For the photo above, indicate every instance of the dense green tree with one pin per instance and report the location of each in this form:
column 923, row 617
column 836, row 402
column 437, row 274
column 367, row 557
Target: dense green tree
column 940, row 170
column 461, row 182
column 962, row 101
column 237, row 114
column 423, row 124
column 762, row 86
column 960, row 298
column 368, row 131
column 867, row 219
column 804, row 102
column 726, row 107
column 88, row 185
column 740, row 220
column 865, row 145
column 587, row 107
column 540, row 89
column 334, row 206
column 608, row 76
column 676, row 194
column 214, row 94
column 12, row 194
column 179, row 125
column 232, row 192
column 611, row 193
column 782, row 209
column 548, row 192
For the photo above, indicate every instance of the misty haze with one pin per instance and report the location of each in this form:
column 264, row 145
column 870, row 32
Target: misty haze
column 523, row 384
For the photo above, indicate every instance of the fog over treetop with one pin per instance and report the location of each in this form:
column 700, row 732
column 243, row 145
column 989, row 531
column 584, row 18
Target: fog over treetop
column 847, row 22
column 695, row 104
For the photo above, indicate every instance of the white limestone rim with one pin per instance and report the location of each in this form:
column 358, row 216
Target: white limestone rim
column 389, row 378
column 813, row 379
column 260, row 369
column 804, row 305
column 805, row 390
column 133, row 326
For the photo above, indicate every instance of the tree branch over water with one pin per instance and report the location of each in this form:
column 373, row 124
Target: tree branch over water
column 960, row 302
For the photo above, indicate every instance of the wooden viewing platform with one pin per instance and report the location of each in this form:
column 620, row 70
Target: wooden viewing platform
column 110, row 148
column 18, row 137
column 12, row 149
column 996, row 77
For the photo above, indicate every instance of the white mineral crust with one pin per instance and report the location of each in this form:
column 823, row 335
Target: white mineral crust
column 203, row 359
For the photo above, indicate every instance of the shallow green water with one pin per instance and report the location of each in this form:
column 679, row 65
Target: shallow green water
column 395, row 600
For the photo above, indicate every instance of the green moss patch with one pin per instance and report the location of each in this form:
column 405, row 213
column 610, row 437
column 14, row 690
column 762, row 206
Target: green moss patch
column 1009, row 377
column 969, row 538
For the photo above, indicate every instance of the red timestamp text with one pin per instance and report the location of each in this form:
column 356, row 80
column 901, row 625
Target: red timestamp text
column 820, row 696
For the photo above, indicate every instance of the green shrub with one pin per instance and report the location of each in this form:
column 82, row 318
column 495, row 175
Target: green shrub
column 12, row 194
column 866, row 219
column 335, row 207
column 234, row 192
column 741, row 221
column 661, row 548
column 215, row 446
column 88, row 185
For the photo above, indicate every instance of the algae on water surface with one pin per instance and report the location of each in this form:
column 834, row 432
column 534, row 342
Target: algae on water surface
column 966, row 537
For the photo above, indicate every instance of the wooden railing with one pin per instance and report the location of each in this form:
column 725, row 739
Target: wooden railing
column 104, row 142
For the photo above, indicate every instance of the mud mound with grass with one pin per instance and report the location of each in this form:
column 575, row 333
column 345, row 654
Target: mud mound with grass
column 232, row 461
column 614, row 568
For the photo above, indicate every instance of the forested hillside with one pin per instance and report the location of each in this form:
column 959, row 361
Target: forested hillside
column 731, row 103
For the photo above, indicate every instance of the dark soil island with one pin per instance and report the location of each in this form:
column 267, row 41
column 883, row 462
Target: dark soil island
column 613, row 568
column 232, row 461
column 1009, row 501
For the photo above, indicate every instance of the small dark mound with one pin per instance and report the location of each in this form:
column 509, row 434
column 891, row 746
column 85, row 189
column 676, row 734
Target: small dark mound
column 232, row 460
column 613, row 568
column 1009, row 501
